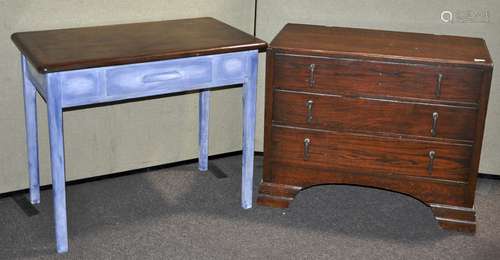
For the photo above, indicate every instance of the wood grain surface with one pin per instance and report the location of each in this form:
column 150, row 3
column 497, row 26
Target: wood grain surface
column 404, row 46
column 78, row 48
column 375, row 116
column 378, row 79
column 370, row 154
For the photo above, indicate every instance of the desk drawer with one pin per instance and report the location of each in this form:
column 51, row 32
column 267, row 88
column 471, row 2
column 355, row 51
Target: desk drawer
column 375, row 78
column 157, row 76
column 373, row 115
column 369, row 154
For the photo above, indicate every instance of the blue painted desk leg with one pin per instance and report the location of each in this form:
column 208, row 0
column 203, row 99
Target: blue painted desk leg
column 204, row 115
column 31, row 134
column 249, row 103
column 55, row 118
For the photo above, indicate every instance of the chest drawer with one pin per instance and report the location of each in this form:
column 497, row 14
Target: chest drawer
column 368, row 154
column 373, row 115
column 376, row 78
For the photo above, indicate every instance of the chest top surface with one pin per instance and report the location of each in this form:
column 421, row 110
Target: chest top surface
column 79, row 48
column 420, row 47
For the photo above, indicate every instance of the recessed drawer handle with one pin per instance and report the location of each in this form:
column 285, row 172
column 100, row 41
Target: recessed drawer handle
column 432, row 157
column 438, row 84
column 309, row 106
column 161, row 77
column 307, row 144
column 435, row 116
column 312, row 81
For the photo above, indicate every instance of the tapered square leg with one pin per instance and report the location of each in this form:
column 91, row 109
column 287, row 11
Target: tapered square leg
column 249, row 104
column 55, row 118
column 29, row 92
column 204, row 115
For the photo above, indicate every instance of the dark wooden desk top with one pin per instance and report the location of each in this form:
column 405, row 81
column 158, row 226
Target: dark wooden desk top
column 382, row 44
column 78, row 48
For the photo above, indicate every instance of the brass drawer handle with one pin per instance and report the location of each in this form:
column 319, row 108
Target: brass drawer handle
column 307, row 144
column 312, row 81
column 309, row 106
column 435, row 116
column 438, row 85
column 432, row 157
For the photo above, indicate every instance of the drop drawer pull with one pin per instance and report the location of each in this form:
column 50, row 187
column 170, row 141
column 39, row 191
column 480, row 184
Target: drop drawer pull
column 435, row 116
column 309, row 106
column 432, row 157
column 438, row 85
column 307, row 144
column 161, row 77
column 312, row 81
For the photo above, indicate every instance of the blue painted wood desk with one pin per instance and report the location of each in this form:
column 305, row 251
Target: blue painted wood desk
column 85, row 66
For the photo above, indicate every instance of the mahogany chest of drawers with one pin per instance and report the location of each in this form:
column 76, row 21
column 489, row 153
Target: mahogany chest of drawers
column 399, row 111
